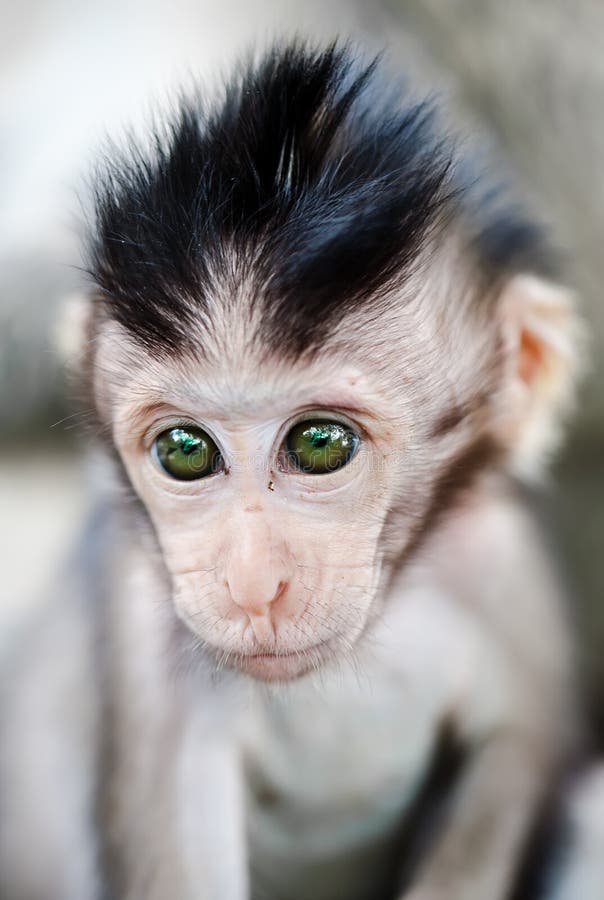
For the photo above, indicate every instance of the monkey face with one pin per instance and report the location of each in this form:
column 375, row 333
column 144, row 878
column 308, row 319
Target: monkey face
column 282, row 493
column 269, row 487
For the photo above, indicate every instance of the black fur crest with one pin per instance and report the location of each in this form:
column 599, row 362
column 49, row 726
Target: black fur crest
column 319, row 183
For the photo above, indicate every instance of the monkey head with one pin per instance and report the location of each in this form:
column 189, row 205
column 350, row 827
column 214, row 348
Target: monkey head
column 309, row 339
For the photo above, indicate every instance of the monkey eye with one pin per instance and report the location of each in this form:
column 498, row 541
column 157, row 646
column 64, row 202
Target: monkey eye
column 319, row 446
column 187, row 453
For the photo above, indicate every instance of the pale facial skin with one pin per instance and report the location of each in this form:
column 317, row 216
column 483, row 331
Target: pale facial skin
column 272, row 567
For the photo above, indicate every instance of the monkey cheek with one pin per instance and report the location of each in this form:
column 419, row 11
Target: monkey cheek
column 200, row 607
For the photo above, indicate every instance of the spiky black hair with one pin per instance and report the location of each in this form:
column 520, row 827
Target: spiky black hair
column 311, row 178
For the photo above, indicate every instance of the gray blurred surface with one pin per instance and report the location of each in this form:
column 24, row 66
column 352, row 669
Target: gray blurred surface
column 530, row 76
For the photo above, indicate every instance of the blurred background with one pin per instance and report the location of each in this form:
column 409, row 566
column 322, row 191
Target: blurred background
column 528, row 77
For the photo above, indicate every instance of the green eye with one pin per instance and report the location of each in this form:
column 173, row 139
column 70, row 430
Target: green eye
column 319, row 446
column 187, row 453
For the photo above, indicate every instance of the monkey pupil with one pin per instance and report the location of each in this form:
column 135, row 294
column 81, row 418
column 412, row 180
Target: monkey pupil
column 319, row 438
column 189, row 444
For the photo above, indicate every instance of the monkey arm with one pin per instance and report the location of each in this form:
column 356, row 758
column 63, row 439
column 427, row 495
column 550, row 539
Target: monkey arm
column 492, row 813
column 50, row 718
column 210, row 804
column 518, row 713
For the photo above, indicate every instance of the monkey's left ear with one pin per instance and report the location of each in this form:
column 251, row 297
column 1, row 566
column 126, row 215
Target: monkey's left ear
column 544, row 355
column 71, row 329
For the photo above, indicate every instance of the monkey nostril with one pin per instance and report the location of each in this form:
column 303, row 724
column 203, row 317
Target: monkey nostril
column 281, row 589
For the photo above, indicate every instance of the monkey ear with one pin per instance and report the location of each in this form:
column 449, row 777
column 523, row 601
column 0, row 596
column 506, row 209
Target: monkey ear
column 71, row 329
column 544, row 351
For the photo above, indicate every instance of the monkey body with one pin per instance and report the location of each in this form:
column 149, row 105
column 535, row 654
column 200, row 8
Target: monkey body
column 318, row 365
column 314, row 780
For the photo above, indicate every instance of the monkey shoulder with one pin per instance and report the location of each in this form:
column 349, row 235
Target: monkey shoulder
column 491, row 559
column 488, row 594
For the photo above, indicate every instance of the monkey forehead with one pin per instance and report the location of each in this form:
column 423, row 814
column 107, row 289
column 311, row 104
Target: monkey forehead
column 130, row 380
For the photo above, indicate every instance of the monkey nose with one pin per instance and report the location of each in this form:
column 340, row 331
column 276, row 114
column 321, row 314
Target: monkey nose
column 257, row 599
column 257, row 572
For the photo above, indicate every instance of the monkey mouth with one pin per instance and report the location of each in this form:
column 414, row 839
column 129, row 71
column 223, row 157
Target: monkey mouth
column 280, row 665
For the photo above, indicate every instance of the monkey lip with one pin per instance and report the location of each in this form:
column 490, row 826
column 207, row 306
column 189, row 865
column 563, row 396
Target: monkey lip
column 284, row 654
column 281, row 665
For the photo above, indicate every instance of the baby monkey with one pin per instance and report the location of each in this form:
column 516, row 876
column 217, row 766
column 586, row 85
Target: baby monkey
column 313, row 649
